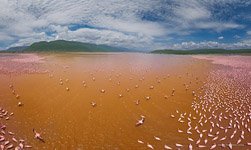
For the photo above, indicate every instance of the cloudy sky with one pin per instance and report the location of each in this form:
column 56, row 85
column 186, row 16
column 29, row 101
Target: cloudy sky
column 135, row 24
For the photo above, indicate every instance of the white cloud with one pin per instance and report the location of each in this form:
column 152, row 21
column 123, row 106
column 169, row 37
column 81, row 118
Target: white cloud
column 249, row 32
column 191, row 10
column 28, row 21
column 140, row 27
column 218, row 26
column 97, row 36
column 237, row 37
column 210, row 44
column 35, row 37
column 107, row 37
column 5, row 37
column 113, row 22
column 190, row 16
column 220, row 37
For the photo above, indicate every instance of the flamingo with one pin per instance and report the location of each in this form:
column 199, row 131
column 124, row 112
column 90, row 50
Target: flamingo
column 102, row 91
column 2, row 138
column 21, row 145
column 10, row 86
column 19, row 104
column 213, row 146
column 167, row 147
column 14, row 139
column 28, row 146
column 150, row 146
column 190, row 147
column 17, row 96
column 93, row 104
column 157, row 138
column 141, row 121
column 230, row 145
column 141, row 142
column 148, row 97
column 9, row 146
column 179, row 145
column 38, row 136
column 137, row 102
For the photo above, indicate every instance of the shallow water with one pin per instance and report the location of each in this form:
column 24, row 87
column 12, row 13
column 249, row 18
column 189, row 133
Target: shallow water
column 67, row 120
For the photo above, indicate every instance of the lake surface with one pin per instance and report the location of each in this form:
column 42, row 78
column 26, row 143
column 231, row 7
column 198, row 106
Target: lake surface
column 56, row 92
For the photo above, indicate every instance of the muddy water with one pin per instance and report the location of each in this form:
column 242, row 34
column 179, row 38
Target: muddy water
column 67, row 120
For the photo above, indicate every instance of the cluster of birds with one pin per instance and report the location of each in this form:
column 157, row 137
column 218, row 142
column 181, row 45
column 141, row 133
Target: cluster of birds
column 8, row 140
column 221, row 113
column 142, row 118
column 20, row 64
column 15, row 94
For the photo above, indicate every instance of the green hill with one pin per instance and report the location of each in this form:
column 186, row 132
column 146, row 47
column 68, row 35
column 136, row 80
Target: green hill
column 69, row 46
column 203, row 51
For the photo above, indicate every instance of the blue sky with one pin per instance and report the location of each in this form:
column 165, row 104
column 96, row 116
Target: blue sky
column 135, row 24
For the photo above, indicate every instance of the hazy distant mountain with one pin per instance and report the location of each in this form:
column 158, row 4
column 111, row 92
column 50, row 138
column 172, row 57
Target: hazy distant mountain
column 17, row 48
column 68, row 46
column 202, row 51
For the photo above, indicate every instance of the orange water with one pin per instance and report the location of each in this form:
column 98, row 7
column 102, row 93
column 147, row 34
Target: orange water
column 67, row 120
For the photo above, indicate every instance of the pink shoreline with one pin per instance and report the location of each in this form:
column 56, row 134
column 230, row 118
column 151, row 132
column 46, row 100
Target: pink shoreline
column 29, row 58
column 21, row 64
column 233, row 61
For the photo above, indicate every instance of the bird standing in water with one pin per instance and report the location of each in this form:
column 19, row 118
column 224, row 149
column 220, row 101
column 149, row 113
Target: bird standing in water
column 38, row 136
column 141, row 121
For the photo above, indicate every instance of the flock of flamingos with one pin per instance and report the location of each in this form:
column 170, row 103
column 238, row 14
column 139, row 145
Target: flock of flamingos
column 220, row 116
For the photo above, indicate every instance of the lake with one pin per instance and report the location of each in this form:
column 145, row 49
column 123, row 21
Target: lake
column 94, row 100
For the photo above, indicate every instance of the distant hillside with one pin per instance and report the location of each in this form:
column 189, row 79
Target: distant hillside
column 18, row 48
column 203, row 51
column 67, row 46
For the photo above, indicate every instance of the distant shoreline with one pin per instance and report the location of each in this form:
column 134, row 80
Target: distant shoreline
column 98, row 53
column 203, row 51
